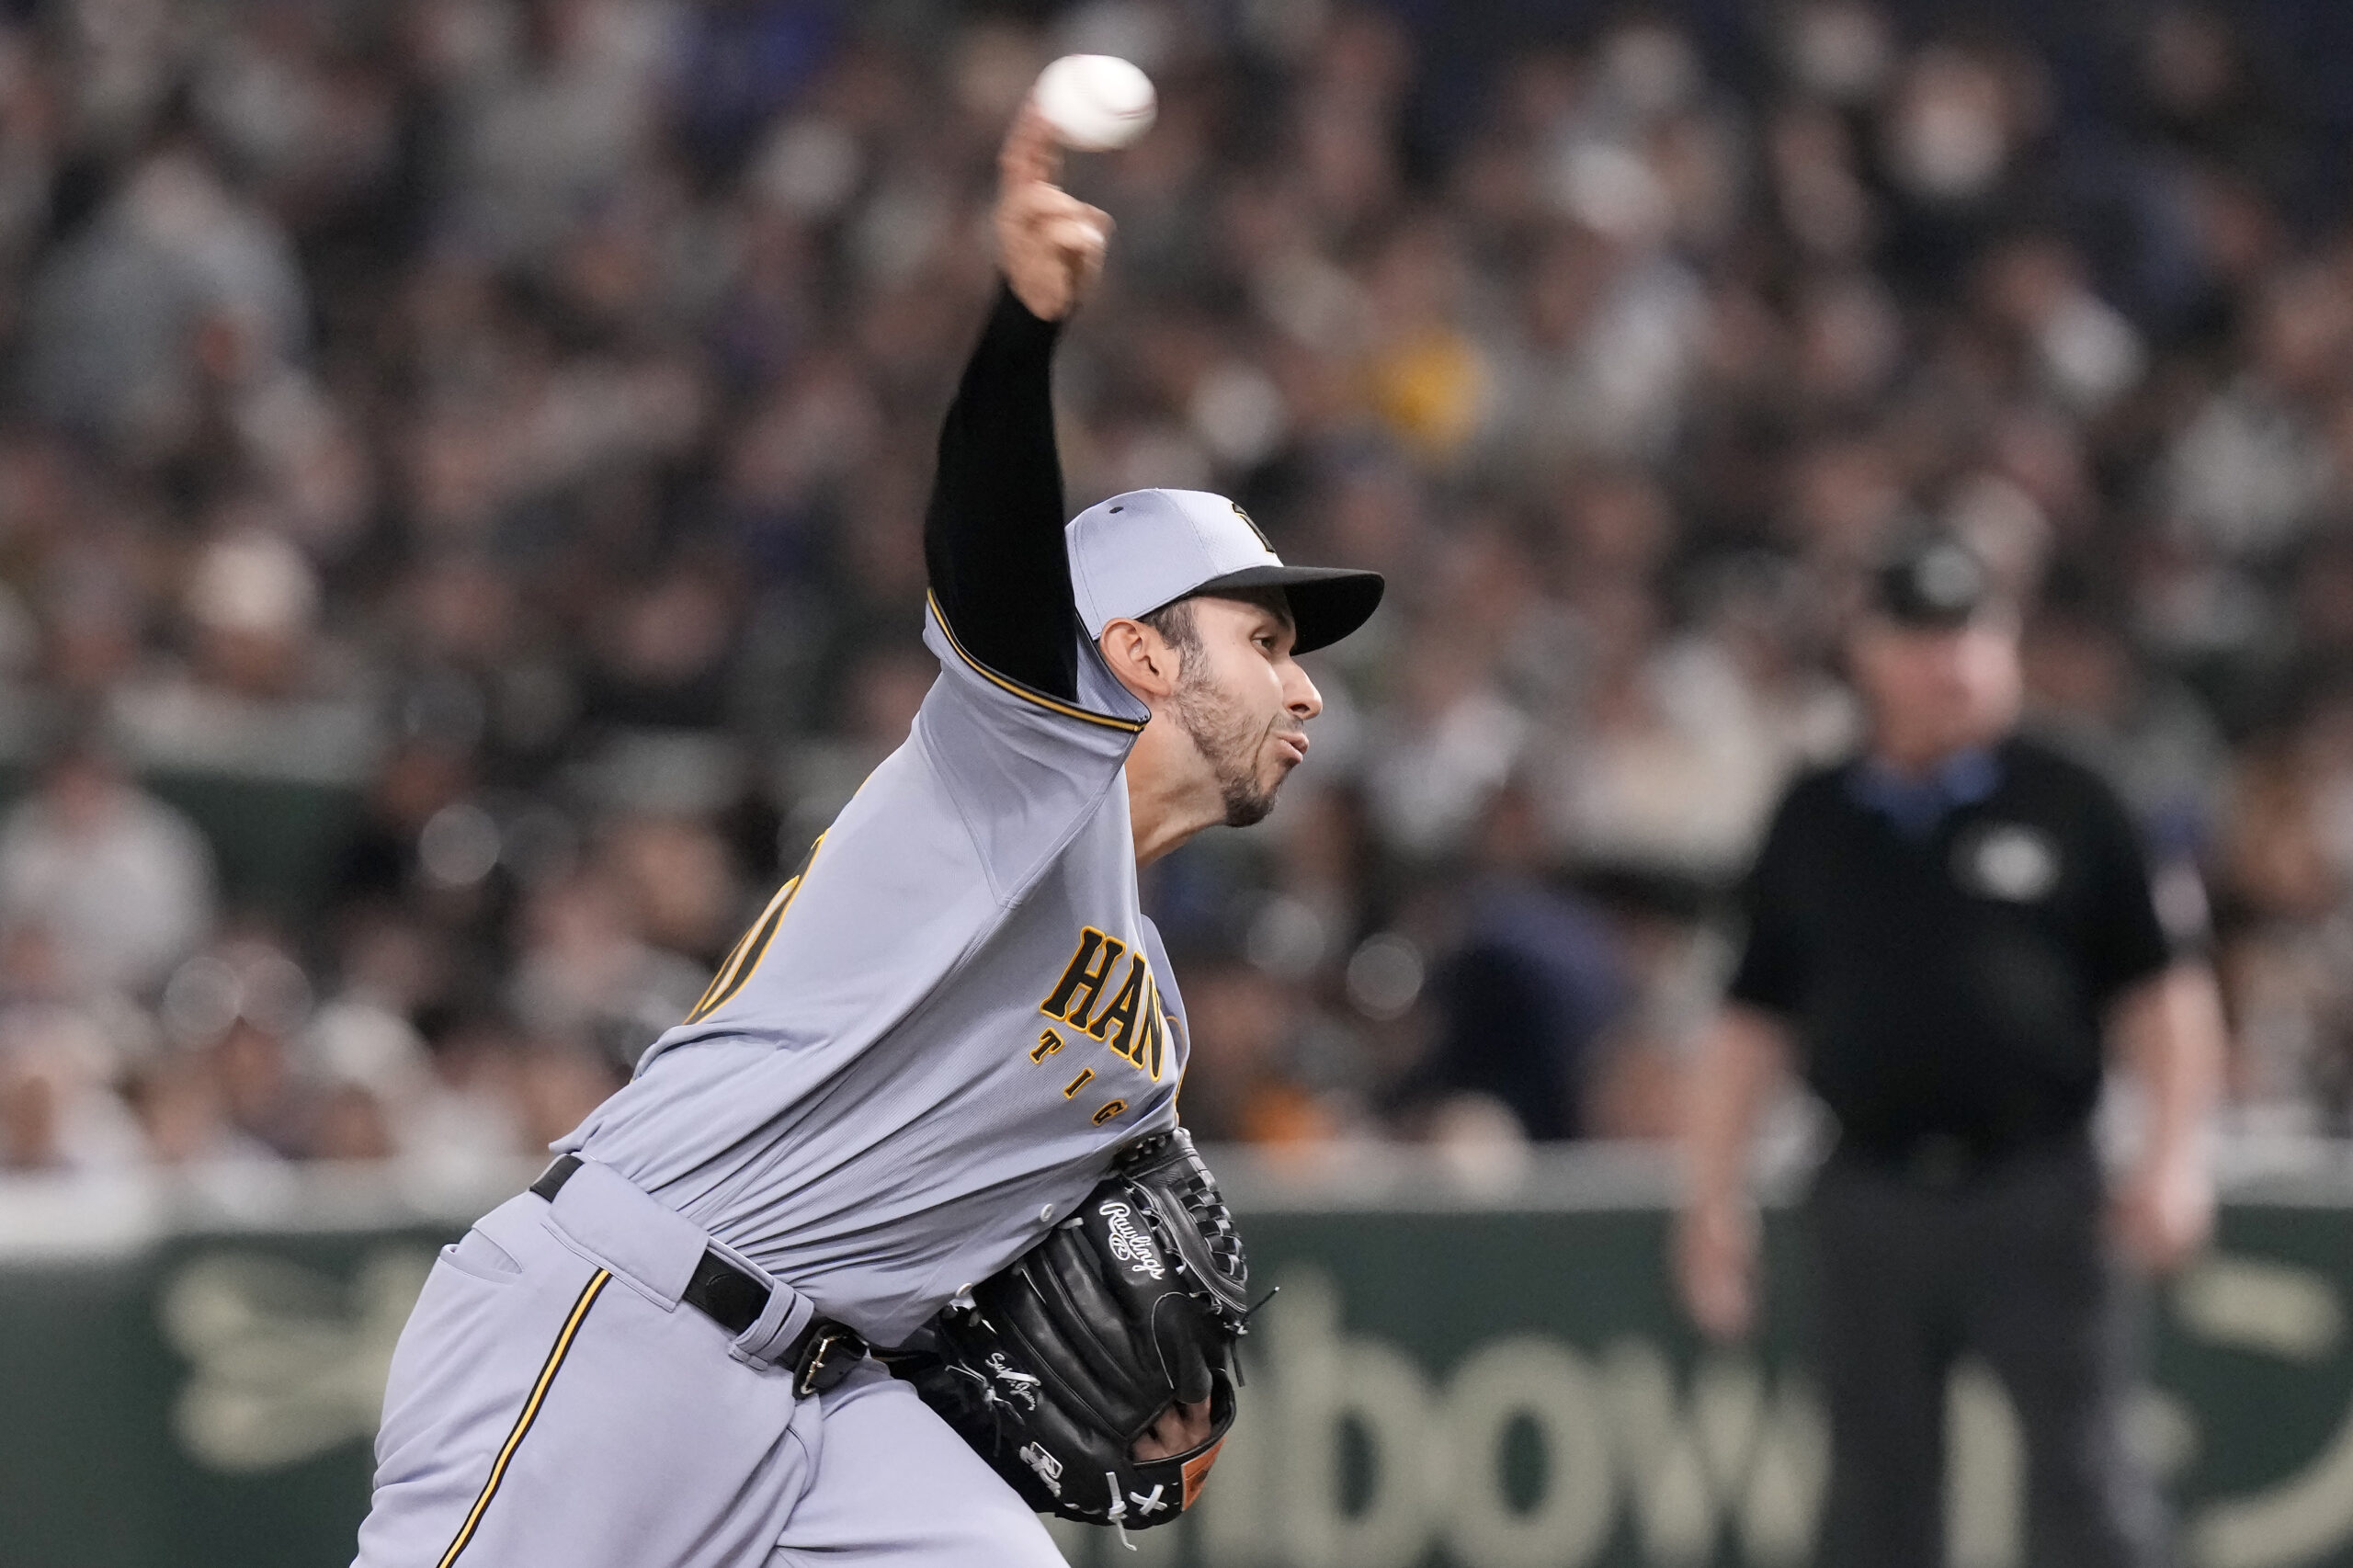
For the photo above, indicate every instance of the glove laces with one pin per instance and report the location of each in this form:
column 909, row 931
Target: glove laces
column 1119, row 1509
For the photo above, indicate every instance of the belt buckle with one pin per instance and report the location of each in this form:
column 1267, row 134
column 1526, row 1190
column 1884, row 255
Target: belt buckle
column 819, row 1370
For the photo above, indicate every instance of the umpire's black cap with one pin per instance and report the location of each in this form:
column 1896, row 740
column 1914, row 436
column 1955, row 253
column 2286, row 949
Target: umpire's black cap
column 1932, row 582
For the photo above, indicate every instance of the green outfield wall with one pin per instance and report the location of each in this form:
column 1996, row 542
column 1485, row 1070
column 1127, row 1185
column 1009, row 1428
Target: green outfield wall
column 1481, row 1374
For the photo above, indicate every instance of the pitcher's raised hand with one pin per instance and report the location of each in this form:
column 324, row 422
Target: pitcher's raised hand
column 1049, row 243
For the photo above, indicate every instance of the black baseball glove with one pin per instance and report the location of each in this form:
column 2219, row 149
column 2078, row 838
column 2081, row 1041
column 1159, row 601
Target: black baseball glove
column 1055, row 1367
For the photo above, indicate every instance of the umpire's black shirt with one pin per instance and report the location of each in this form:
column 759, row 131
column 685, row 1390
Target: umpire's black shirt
column 1944, row 949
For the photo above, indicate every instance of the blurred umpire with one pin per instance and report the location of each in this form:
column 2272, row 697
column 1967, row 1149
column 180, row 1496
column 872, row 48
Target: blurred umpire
column 1945, row 934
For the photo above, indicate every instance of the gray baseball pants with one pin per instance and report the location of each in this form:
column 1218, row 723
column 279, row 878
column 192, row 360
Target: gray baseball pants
column 554, row 1403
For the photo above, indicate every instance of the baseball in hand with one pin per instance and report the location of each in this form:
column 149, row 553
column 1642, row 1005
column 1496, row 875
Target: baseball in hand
column 1095, row 102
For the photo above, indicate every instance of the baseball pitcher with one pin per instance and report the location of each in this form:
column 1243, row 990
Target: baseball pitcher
column 923, row 1121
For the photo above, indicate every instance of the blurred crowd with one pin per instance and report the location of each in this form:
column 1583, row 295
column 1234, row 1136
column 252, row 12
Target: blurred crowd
column 511, row 420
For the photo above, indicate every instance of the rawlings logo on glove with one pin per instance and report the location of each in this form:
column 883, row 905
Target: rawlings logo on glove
column 1128, row 1245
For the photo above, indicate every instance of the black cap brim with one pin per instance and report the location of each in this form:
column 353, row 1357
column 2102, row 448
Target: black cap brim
column 1906, row 619
column 1326, row 602
column 1932, row 582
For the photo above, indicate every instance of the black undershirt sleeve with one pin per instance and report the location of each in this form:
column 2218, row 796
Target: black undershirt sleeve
column 992, row 535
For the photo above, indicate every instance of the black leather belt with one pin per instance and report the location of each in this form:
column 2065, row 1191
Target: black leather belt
column 1944, row 1161
column 821, row 1354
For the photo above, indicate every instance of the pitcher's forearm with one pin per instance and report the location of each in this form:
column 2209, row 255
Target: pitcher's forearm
column 992, row 534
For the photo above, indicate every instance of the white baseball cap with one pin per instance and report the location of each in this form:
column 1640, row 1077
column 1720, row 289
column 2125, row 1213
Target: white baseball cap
column 1138, row 553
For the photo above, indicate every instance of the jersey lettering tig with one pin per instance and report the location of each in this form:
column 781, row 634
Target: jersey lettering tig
column 923, row 1049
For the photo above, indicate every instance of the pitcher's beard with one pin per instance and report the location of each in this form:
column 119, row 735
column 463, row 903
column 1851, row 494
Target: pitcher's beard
column 1231, row 744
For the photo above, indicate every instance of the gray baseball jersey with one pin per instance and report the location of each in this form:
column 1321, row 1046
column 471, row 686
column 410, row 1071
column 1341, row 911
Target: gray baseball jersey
column 925, row 1048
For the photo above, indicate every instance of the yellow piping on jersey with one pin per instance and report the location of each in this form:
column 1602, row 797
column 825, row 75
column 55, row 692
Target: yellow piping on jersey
column 596, row 1286
column 725, row 979
column 734, row 956
column 1053, row 705
column 744, row 956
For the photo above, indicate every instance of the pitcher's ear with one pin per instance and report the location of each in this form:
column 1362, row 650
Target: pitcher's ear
column 1145, row 661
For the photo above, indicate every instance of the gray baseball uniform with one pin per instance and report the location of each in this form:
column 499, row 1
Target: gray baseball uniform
column 921, row 1055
